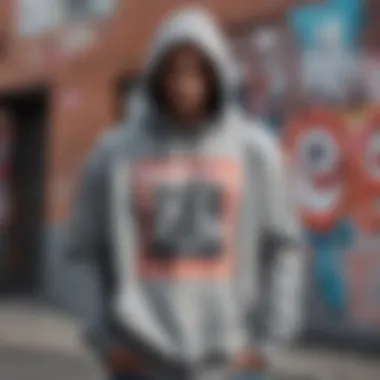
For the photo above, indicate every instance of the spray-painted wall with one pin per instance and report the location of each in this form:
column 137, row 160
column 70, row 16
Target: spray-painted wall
column 83, row 64
column 314, row 78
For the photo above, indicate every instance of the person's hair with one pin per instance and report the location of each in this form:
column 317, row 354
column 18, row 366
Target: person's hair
column 158, row 91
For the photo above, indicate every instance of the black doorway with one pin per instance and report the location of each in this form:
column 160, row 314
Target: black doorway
column 27, row 112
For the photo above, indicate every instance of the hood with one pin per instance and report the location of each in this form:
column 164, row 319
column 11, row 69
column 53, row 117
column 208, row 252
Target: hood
column 195, row 27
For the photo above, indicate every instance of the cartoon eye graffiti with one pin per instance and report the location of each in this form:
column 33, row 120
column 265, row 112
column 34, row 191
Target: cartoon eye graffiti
column 372, row 155
column 318, row 152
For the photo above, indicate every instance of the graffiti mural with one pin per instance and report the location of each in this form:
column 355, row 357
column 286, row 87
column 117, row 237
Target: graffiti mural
column 314, row 80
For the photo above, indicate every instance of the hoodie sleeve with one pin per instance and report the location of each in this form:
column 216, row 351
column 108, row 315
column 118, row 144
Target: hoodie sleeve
column 88, row 245
column 87, row 230
column 281, row 249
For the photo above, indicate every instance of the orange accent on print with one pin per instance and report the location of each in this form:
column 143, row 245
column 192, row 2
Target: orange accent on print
column 227, row 174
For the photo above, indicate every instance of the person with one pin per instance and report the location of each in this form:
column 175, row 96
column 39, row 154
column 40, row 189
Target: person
column 178, row 212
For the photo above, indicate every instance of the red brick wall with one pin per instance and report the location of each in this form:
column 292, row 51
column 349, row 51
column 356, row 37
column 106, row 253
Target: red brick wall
column 81, row 111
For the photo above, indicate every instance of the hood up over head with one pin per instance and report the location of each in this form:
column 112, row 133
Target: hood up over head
column 195, row 28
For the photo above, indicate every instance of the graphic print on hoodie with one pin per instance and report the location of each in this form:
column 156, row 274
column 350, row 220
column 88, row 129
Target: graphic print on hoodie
column 184, row 218
column 187, row 215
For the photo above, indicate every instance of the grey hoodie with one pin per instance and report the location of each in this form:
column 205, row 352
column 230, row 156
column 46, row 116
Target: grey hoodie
column 181, row 229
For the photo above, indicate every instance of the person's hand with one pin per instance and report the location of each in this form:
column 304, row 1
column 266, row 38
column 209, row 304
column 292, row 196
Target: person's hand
column 120, row 359
column 254, row 360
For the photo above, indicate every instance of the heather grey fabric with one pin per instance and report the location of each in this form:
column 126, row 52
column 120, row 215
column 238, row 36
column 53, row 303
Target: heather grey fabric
column 187, row 320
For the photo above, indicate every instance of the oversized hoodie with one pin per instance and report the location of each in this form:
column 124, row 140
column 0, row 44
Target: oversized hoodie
column 181, row 227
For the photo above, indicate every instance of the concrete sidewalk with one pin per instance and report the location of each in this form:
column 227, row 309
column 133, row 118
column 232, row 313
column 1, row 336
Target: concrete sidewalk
column 322, row 365
column 38, row 343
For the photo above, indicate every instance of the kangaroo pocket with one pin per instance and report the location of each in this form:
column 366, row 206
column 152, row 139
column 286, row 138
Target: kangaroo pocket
column 183, row 321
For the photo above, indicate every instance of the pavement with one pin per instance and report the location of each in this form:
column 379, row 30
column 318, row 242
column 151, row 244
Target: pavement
column 39, row 343
column 318, row 364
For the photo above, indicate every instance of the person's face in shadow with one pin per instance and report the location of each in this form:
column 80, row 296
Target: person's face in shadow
column 186, row 85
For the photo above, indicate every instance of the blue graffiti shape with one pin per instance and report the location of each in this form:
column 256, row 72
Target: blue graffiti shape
column 329, row 248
